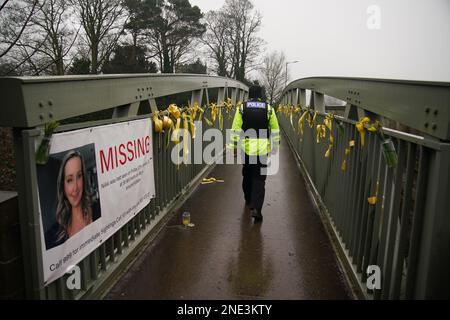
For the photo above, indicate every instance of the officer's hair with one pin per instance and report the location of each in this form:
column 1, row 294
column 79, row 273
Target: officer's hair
column 255, row 92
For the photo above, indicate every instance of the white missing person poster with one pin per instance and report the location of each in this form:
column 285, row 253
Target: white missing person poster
column 95, row 181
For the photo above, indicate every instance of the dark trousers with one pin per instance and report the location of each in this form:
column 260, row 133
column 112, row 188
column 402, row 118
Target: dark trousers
column 254, row 181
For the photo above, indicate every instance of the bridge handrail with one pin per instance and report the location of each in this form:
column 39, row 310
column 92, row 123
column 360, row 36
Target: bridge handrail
column 421, row 105
column 38, row 100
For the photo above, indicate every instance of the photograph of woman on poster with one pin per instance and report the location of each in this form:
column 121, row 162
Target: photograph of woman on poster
column 74, row 211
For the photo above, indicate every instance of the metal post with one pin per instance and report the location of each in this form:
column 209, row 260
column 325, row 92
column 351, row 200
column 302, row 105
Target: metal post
column 126, row 111
column 351, row 112
column 197, row 96
column 153, row 105
column 221, row 96
column 24, row 144
column 241, row 95
column 234, row 95
column 295, row 96
column 318, row 101
column 432, row 275
column 302, row 97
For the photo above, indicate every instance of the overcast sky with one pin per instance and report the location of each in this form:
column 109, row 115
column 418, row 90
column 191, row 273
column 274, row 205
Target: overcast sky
column 408, row 39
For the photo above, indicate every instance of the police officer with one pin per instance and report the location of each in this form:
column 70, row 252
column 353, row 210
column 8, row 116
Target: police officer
column 255, row 128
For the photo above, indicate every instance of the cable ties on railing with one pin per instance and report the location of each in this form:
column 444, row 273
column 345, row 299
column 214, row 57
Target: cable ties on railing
column 43, row 150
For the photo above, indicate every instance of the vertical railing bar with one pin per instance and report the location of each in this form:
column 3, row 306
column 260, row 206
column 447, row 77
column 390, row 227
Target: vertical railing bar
column 418, row 215
column 118, row 238
column 360, row 192
column 350, row 204
column 137, row 223
column 370, row 211
column 161, row 154
column 386, row 225
column 132, row 228
column 363, row 223
column 406, row 208
column 328, row 181
column 160, row 177
column 395, row 209
column 140, row 226
column 166, row 174
column 169, row 176
column 358, row 199
column 49, row 292
column 25, row 150
column 93, row 264
column 110, row 245
column 151, row 209
column 60, row 289
column 143, row 218
column 102, row 252
column 378, row 219
column 126, row 235
column 85, row 273
column 341, row 176
column 332, row 173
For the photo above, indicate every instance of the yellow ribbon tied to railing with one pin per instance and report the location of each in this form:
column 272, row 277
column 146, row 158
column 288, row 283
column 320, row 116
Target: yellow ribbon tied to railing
column 290, row 117
column 158, row 123
column 351, row 144
column 192, row 124
column 220, row 119
column 373, row 200
column 328, row 153
column 344, row 165
column 176, row 132
column 300, row 124
column 309, row 119
column 185, row 137
column 214, row 111
column 375, row 127
column 328, row 122
column 360, row 126
column 314, row 119
column 174, row 111
column 321, row 132
column 196, row 108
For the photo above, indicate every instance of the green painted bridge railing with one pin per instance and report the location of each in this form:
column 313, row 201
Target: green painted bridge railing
column 405, row 228
column 29, row 103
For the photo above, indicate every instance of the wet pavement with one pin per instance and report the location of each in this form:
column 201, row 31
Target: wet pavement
column 227, row 256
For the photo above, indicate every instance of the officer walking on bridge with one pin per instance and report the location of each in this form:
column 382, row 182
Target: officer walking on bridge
column 255, row 128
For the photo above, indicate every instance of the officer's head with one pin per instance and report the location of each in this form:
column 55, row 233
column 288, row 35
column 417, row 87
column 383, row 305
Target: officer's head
column 255, row 93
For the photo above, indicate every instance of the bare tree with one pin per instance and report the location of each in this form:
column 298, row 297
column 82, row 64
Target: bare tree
column 52, row 36
column 232, row 39
column 103, row 22
column 244, row 44
column 13, row 23
column 217, row 42
column 273, row 75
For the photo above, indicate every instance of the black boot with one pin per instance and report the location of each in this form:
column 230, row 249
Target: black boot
column 257, row 215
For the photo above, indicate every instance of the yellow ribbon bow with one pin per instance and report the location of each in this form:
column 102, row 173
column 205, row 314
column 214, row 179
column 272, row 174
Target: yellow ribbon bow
column 174, row 111
column 360, row 126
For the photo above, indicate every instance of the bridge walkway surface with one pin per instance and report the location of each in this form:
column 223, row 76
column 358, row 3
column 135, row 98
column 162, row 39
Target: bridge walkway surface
column 226, row 256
